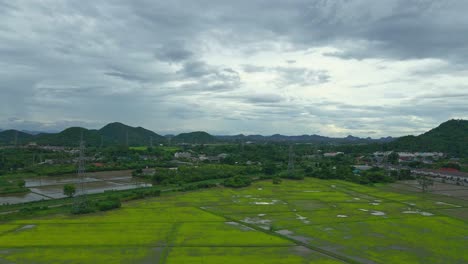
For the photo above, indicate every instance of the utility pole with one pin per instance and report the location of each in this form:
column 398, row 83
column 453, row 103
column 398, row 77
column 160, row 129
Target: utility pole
column 16, row 138
column 80, row 200
column 126, row 139
column 291, row 161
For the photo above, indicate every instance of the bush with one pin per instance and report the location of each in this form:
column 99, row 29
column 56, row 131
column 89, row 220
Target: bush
column 83, row 207
column 237, row 182
column 108, row 204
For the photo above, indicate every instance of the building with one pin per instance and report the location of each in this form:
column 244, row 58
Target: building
column 182, row 155
column 332, row 154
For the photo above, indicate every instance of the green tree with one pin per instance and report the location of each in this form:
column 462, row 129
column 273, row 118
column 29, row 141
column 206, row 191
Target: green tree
column 425, row 182
column 393, row 158
column 69, row 190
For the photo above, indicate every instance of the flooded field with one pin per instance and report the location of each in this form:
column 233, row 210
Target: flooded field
column 309, row 221
column 51, row 187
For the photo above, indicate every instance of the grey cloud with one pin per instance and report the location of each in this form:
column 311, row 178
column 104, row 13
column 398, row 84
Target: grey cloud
column 125, row 59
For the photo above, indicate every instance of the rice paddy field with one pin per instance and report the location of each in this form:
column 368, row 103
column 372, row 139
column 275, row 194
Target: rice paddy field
column 310, row 221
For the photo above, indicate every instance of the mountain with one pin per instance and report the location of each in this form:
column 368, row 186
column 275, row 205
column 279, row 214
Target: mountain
column 9, row 137
column 304, row 139
column 69, row 137
column 118, row 133
column 450, row 137
column 198, row 137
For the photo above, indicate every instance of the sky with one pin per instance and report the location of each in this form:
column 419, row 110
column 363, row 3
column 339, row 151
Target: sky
column 328, row 67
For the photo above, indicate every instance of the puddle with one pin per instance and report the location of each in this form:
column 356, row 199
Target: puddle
column 418, row 212
column 289, row 234
column 260, row 189
column 357, row 199
column 374, row 203
column 258, row 221
column 262, row 203
column 285, row 232
column 242, row 227
column 342, row 216
column 26, row 227
column 378, row 213
column 442, row 203
column 261, row 215
column 303, row 219
column 364, row 210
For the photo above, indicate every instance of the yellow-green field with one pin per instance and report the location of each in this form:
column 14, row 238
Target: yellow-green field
column 310, row 221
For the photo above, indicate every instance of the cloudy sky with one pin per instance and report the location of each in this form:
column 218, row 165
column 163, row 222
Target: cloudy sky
column 330, row 67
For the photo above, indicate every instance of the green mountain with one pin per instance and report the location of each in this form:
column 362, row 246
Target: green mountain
column 198, row 137
column 450, row 137
column 69, row 137
column 9, row 137
column 120, row 134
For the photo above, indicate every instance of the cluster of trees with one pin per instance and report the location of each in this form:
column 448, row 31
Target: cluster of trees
column 112, row 200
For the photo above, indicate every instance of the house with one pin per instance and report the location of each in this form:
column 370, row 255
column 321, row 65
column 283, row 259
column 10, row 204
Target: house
column 148, row 171
column 332, row 154
column 182, row 155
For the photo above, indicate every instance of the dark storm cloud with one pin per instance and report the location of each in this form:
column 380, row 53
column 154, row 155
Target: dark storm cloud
column 88, row 62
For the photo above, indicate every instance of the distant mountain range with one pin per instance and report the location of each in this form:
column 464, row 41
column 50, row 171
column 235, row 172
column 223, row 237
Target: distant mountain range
column 449, row 137
column 303, row 139
column 121, row 134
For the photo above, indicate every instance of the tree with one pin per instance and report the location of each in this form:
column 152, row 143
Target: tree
column 425, row 182
column 393, row 158
column 21, row 183
column 69, row 190
column 276, row 180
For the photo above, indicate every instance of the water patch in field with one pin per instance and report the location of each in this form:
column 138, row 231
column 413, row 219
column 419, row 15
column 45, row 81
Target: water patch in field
column 262, row 223
column 357, row 199
column 412, row 204
column 333, row 186
column 364, row 210
column 378, row 213
column 342, row 216
column 260, row 189
column 261, row 215
column 442, row 203
column 26, row 227
column 242, row 227
column 289, row 234
column 303, row 219
column 374, row 203
column 417, row 212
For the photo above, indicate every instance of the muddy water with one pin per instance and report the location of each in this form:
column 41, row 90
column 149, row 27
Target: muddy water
column 51, row 187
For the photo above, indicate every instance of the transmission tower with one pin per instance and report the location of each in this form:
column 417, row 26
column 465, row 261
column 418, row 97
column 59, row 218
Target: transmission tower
column 80, row 200
column 16, row 138
column 291, row 161
column 126, row 138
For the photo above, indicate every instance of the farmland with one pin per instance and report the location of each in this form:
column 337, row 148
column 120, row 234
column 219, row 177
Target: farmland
column 310, row 221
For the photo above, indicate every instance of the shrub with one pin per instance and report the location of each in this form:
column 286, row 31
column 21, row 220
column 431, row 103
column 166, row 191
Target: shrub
column 108, row 204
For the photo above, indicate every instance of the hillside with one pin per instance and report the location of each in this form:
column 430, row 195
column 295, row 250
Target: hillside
column 69, row 137
column 8, row 137
column 198, row 137
column 450, row 137
column 118, row 133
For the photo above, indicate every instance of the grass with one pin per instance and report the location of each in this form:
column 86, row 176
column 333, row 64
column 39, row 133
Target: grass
column 264, row 223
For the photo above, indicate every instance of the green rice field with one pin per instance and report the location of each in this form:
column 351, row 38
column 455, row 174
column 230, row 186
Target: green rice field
column 310, row 221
